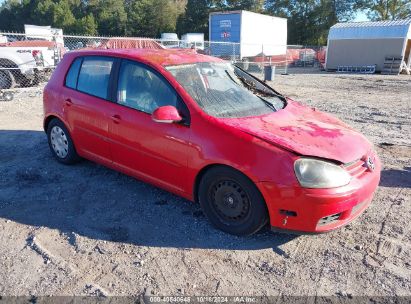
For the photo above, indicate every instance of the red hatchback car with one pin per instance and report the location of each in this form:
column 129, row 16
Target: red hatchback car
column 206, row 130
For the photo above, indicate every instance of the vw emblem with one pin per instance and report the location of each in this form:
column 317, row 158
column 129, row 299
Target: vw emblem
column 370, row 164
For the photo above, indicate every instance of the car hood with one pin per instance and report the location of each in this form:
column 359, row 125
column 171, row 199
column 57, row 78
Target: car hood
column 305, row 131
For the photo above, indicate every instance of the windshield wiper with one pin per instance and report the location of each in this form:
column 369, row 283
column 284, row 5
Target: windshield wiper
column 244, row 81
column 268, row 104
column 253, row 88
column 231, row 77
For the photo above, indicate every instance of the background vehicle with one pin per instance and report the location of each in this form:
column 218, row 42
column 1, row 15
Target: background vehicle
column 26, row 59
column 51, row 52
column 20, row 66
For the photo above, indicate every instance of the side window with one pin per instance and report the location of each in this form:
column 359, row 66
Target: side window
column 94, row 76
column 142, row 89
column 72, row 75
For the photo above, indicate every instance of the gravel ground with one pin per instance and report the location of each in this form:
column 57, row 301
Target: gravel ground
column 87, row 230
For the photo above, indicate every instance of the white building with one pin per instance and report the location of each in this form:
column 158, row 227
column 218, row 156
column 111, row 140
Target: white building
column 368, row 43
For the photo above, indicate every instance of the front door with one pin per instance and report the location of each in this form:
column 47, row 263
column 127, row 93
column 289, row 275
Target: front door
column 148, row 149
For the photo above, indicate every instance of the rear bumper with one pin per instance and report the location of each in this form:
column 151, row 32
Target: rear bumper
column 300, row 210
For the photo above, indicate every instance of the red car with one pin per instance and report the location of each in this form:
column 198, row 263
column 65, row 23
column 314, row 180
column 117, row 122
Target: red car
column 206, row 130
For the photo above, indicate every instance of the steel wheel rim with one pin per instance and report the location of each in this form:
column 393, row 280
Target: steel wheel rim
column 229, row 201
column 59, row 142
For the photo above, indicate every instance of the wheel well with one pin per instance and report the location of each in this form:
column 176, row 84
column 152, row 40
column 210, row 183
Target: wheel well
column 7, row 63
column 203, row 171
column 47, row 121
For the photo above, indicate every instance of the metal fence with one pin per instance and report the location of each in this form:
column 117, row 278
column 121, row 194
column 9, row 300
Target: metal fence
column 27, row 61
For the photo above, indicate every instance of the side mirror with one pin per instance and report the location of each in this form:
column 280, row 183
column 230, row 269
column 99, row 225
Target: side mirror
column 166, row 114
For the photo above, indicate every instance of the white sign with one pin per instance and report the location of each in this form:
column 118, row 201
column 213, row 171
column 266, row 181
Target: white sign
column 225, row 23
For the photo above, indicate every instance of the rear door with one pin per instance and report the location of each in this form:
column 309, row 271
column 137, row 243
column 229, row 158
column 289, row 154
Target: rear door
column 140, row 146
column 86, row 102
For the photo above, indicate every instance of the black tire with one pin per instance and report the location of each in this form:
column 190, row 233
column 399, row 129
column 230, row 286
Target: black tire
column 37, row 79
column 67, row 155
column 25, row 82
column 232, row 202
column 7, row 80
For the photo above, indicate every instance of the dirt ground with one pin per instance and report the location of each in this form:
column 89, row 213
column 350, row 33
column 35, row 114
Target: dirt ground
column 87, row 230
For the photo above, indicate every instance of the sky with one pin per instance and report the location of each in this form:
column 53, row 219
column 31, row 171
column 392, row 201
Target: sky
column 361, row 16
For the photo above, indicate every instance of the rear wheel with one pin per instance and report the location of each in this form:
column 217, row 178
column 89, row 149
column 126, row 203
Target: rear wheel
column 232, row 202
column 7, row 80
column 60, row 143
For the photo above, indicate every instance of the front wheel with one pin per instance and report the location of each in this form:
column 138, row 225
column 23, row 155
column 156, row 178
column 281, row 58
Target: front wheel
column 60, row 142
column 232, row 202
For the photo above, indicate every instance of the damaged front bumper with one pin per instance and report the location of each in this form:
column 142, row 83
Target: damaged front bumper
column 300, row 210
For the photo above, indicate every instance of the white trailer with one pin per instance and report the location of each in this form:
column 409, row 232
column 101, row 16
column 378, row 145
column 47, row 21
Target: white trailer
column 247, row 34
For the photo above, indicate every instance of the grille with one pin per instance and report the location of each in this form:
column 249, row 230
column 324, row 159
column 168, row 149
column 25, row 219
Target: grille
column 328, row 219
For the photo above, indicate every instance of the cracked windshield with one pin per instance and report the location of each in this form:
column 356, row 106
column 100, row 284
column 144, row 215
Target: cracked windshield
column 223, row 90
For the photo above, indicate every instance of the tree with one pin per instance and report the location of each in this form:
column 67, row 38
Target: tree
column 85, row 26
column 249, row 5
column 150, row 18
column 57, row 13
column 10, row 16
column 195, row 17
column 110, row 16
column 62, row 15
column 386, row 9
column 43, row 12
column 309, row 21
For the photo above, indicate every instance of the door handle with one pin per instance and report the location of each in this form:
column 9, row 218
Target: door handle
column 116, row 118
column 68, row 102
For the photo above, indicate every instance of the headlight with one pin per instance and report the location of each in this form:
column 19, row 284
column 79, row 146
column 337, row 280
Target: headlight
column 315, row 173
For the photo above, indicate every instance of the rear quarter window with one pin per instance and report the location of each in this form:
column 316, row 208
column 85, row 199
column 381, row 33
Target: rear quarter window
column 72, row 74
column 95, row 75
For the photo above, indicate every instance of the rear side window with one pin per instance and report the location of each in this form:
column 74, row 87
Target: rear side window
column 71, row 78
column 94, row 76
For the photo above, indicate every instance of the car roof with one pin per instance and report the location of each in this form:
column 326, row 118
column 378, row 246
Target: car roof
column 162, row 57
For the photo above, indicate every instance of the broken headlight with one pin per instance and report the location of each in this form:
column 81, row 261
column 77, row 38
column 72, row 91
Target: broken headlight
column 315, row 173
